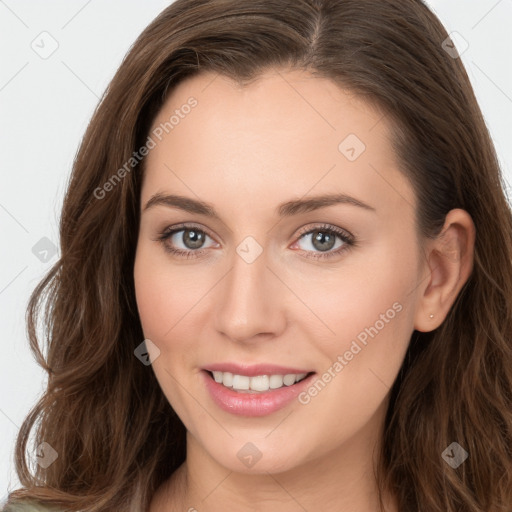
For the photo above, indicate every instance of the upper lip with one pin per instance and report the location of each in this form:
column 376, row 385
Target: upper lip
column 254, row 370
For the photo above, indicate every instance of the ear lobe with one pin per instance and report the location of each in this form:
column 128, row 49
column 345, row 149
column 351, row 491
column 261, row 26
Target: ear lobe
column 449, row 264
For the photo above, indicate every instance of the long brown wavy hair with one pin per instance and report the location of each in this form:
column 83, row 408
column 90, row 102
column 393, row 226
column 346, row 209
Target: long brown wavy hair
column 103, row 412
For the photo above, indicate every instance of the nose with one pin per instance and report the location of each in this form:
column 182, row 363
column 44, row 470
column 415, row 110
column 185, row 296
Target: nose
column 250, row 303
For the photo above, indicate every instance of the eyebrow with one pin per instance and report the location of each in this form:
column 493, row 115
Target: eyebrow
column 287, row 209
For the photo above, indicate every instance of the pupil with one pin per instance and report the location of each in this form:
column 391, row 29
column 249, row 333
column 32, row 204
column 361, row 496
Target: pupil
column 194, row 240
column 325, row 240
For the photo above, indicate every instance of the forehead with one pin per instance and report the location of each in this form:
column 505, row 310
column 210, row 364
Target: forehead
column 282, row 135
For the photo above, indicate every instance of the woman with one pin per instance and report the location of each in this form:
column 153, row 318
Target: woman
column 286, row 274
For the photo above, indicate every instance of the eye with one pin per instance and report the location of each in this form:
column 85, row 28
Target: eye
column 323, row 239
column 190, row 237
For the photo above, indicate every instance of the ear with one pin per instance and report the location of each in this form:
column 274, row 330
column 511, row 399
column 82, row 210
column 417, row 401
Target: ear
column 449, row 262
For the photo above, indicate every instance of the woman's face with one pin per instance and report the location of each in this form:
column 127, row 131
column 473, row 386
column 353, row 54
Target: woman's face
column 272, row 278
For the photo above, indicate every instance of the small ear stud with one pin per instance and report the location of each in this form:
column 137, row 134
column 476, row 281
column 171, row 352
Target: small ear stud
column 431, row 315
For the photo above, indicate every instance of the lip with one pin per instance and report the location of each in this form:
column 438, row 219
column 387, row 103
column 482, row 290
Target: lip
column 257, row 404
column 253, row 370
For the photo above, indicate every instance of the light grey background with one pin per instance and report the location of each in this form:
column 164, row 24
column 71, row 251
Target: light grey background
column 47, row 102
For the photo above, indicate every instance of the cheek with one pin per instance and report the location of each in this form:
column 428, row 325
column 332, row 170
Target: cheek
column 369, row 310
column 363, row 360
column 169, row 299
column 373, row 288
column 148, row 295
column 156, row 301
column 162, row 306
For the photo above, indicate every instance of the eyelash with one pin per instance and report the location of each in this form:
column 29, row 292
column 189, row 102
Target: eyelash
column 348, row 239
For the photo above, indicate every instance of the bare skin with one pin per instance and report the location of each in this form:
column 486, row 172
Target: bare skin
column 246, row 151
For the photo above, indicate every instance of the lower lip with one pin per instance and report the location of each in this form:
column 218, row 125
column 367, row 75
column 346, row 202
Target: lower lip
column 257, row 404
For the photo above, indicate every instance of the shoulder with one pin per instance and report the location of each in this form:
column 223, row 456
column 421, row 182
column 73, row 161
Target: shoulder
column 27, row 506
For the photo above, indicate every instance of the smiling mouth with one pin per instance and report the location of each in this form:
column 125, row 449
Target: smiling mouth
column 257, row 384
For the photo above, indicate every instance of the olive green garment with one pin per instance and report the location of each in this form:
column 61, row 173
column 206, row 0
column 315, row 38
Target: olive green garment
column 27, row 507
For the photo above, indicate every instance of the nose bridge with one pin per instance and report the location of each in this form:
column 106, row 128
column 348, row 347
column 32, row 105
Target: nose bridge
column 249, row 302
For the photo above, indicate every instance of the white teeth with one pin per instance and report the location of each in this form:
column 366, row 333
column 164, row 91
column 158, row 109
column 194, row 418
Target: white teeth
column 258, row 383
column 227, row 379
column 289, row 379
column 276, row 381
column 240, row 382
